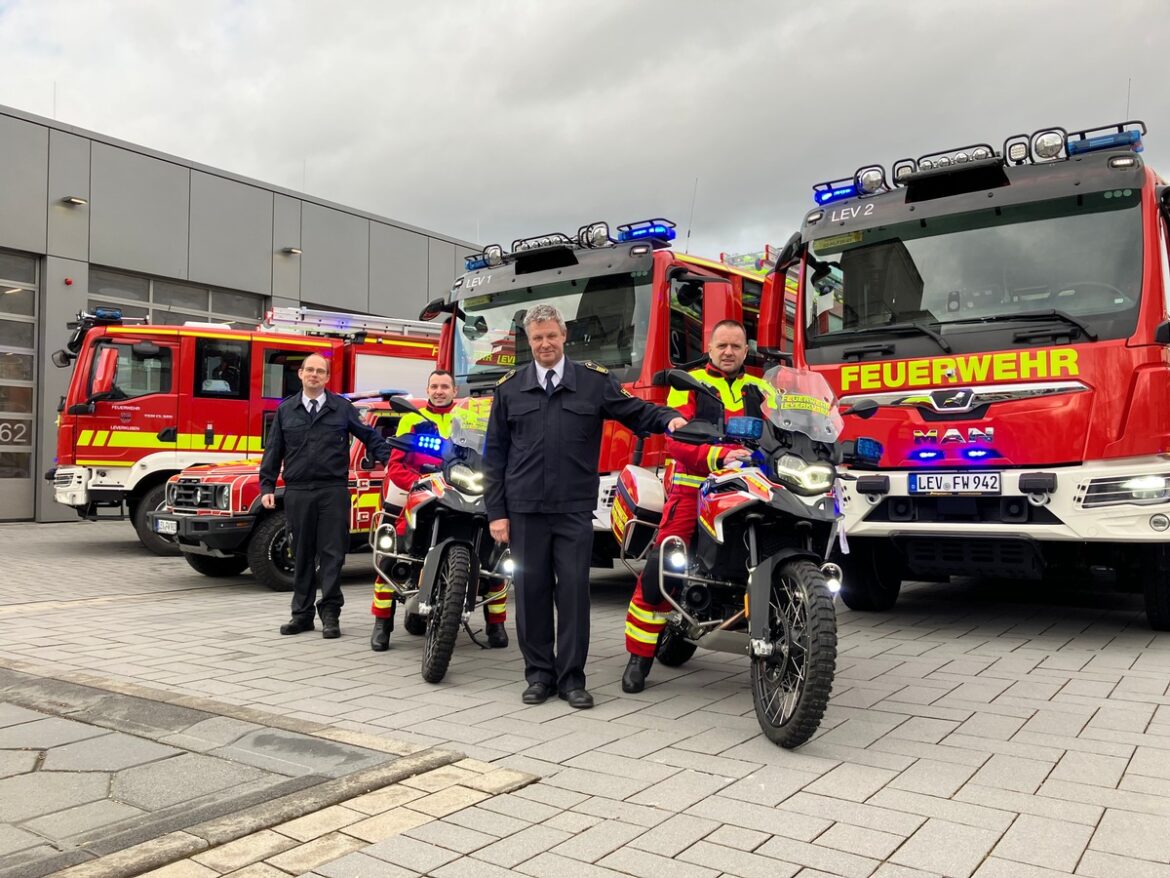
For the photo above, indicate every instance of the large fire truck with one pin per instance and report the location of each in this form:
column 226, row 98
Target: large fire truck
column 145, row 402
column 631, row 304
column 997, row 320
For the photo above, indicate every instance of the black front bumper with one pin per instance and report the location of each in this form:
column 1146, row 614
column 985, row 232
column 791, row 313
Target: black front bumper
column 207, row 534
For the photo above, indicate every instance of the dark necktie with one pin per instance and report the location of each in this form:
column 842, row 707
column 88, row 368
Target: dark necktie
column 549, row 387
column 312, row 409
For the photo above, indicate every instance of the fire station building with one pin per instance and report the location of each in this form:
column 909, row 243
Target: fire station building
column 86, row 220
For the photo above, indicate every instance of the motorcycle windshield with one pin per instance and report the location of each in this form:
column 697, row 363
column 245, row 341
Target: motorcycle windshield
column 469, row 420
column 804, row 403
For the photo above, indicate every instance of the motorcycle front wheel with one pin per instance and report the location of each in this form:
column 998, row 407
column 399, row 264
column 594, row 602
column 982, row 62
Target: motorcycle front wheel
column 447, row 601
column 791, row 687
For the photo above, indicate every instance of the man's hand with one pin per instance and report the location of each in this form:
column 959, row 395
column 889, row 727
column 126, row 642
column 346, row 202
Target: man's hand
column 675, row 424
column 500, row 530
column 737, row 454
column 268, row 501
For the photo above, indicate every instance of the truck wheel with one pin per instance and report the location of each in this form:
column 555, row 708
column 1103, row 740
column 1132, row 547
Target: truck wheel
column 873, row 576
column 153, row 500
column 270, row 553
column 219, row 568
column 1156, row 582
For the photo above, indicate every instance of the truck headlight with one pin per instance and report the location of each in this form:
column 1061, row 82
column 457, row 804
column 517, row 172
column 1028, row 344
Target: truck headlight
column 223, row 496
column 804, row 477
column 465, row 478
column 1135, row 490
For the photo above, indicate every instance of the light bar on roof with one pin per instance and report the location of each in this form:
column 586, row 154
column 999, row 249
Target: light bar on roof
column 1120, row 136
column 657, row 229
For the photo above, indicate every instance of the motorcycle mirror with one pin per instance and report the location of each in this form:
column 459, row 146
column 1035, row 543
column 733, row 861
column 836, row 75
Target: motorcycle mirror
column 403, row 406
column 680, row 380
column 697, row 433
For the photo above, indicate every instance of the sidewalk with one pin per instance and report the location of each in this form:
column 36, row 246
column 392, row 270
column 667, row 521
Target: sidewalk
column 969, row 732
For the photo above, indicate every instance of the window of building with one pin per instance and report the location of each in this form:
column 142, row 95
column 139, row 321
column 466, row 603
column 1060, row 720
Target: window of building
column 172, row 303
column 221, row 368
column 18, row 321
column 280, row 373
column 686, row 323
column 138, row 374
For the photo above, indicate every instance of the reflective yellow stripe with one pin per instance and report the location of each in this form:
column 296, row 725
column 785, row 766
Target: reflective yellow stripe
column 713, row 457
column 690, row 481
column 215, row 442
column 105, row 463
column 229, row 443
column 126, row 439
column 383, row 603
column 86, row 437
column 648, row 616
column 101, row 437
column 371, row 499
column 635, row 633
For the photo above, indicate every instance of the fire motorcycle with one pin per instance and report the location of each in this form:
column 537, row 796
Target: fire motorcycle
column 756, row 581
column 441, row 568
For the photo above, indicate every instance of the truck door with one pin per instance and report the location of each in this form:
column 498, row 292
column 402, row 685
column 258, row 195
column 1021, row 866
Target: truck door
column 275, row 362
column 214, row 405
column 132, row 419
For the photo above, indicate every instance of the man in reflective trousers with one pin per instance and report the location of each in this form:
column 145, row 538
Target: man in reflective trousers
column 541, row 485
column 404, row 470
column 741, row 394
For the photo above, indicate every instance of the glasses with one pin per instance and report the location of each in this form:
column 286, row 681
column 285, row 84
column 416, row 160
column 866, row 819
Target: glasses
column 309, row 370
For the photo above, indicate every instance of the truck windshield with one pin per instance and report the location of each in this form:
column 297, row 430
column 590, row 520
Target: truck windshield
column 607, row 317
column 1078, row 256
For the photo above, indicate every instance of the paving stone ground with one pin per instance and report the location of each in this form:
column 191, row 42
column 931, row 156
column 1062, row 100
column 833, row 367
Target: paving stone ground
column 977, row 729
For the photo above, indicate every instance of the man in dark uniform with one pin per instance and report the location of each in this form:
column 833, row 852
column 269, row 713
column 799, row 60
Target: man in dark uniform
column 310, row 436
column 540, row 487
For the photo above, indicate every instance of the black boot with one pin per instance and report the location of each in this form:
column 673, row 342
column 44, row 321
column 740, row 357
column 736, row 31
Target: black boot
column 380, row 639
column 634, row 679
column 497, row 637
column 330, row 625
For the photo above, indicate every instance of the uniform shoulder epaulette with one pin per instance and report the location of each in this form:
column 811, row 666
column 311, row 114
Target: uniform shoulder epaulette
column 507, row 375
column 589, row 364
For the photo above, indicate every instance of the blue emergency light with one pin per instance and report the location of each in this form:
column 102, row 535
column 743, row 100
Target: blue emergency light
column 475, row 263
column 107, row 313
column 926, row 454
column 428, row 442
column 652, row 229
column 742, row 427
column 835, row 193
column 1119, row 139
column 868, row 449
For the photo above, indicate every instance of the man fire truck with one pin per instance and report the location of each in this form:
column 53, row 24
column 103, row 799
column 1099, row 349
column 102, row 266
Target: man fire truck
column 145, row 402
column 631, row 304
column 1000, row 319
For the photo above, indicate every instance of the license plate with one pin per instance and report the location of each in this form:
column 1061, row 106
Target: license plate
column 166, row 526
column 955, row 483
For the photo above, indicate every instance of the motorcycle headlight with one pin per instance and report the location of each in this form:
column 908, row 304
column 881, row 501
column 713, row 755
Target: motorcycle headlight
column 223, row 497
column 465, row 478
column 804, row 477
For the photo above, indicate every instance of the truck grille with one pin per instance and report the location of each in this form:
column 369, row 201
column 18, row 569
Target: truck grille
column 63, row 479
column 191, row 494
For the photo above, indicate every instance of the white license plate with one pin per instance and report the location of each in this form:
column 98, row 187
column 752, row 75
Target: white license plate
column 166, row 526
column 955, row 483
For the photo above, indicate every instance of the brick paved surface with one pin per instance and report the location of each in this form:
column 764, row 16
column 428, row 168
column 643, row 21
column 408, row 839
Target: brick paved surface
column 970, row 731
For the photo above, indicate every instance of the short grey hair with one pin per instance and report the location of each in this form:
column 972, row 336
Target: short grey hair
column 542, row 312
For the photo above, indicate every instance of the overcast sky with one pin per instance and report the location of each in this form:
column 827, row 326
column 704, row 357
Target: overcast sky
column 495, row 120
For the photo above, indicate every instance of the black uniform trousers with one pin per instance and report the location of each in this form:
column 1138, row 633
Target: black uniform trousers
column 552, row 553
column 318, row 519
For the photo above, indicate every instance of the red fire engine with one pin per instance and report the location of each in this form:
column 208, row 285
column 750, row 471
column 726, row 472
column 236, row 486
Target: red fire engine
column 145, row 402
column 631, row 304
column 1000, row 317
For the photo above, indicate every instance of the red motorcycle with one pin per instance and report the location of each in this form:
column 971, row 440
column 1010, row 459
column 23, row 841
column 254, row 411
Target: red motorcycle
column 756, row 581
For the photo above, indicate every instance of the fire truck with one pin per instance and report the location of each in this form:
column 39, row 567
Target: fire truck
column 631, row 304
column 213, row 511
column 997, row 320
column 145, row 402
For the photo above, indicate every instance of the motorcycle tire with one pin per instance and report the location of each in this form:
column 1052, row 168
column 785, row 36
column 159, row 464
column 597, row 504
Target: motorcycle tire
column 449, row 600
column 790, row 688
column 270, row 553
column 219, row 568
column 673, row 649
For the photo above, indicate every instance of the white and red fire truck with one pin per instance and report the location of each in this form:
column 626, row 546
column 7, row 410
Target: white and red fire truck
column 145, row 402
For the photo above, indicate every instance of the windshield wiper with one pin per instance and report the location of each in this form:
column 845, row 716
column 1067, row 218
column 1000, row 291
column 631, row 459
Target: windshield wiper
column 896, row 329
column 1029, row 315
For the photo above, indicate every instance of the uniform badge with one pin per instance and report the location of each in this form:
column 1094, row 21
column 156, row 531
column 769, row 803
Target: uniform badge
column 589, row 364
column 627, row 393
column 507, row 375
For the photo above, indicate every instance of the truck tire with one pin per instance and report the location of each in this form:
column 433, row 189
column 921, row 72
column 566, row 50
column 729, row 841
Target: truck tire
column 872, row 577
column 270, row 552
column 1156, row 585
column 152, row 500
column 219, row 568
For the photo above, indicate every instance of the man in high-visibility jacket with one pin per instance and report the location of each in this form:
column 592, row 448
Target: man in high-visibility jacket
column 689, row 465
column 404, row 470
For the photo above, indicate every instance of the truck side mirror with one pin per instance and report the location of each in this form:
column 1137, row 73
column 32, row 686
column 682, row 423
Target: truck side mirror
column 62, row 358
column 1162, row 333
column 107, row 368
column 434, row 308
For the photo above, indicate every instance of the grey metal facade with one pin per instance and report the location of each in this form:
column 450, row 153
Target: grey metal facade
column 163, row 217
